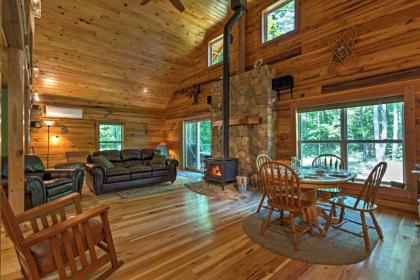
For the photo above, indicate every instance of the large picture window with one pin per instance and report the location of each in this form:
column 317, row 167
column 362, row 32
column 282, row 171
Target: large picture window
column 215, row 51
column 362, row 135
column 279, row 19
column 110, row 136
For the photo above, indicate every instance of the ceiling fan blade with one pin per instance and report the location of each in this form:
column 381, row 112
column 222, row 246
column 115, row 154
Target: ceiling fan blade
column 178, row 5
column 144, row 2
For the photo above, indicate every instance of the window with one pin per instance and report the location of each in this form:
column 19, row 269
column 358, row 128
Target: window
column 215, row 51
column 361, row 135
column 278, row 20
column 110, row 136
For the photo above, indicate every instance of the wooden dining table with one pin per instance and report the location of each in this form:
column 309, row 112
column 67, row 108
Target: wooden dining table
column 311, row 180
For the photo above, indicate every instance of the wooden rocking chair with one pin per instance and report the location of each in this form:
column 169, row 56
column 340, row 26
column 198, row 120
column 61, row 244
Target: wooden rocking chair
column 56, row 240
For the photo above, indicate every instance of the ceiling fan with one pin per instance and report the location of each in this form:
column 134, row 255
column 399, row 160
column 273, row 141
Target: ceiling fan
column 177, row 3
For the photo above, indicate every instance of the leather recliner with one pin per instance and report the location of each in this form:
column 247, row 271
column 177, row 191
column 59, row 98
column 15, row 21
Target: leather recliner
column 44, row 185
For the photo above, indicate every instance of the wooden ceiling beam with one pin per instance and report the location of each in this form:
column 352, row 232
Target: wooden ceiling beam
column 12, row 24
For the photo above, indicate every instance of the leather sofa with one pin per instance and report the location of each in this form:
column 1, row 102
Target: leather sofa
column 132, row 168
column 44, row 185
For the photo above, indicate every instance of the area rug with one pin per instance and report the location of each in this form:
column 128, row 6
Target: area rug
column 149, row 190
column 195, row 176
column 215, row 191
column 337, row 248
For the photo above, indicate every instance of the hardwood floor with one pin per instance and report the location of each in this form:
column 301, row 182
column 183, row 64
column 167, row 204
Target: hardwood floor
column 182, row 235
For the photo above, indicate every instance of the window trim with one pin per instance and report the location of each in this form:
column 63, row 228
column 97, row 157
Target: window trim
column 98, row 140
column 272, row 5
column 210, row 50
column 344, row 141
column 407, row 90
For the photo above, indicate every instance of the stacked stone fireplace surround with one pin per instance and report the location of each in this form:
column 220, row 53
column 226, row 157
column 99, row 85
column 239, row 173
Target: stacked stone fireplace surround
column 251, row 97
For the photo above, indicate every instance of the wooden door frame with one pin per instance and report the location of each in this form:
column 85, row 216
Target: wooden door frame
column 182, row 136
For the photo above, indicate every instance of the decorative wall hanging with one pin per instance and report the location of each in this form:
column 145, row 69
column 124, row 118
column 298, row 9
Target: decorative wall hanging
column 192, row 93
column 257, row 65
column 341, row 45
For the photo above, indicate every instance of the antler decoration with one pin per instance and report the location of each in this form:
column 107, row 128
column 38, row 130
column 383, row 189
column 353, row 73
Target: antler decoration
column 341, row 45
column 192, row 92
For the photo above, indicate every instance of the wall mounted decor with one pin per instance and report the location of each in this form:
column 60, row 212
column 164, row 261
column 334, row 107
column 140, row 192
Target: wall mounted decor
column 192, row 93
column 341, row 45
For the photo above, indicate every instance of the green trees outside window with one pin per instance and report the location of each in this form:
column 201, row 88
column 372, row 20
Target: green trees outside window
column 362, row 136
column 197, row 143
column 110, row 136
column 279, row 20
column 215, row 51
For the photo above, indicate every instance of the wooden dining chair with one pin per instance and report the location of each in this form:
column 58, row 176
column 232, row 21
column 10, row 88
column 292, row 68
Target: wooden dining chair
column 364, row 203
column 261, row 159
column 56, row 242
column 330, row 161
column 281, row 185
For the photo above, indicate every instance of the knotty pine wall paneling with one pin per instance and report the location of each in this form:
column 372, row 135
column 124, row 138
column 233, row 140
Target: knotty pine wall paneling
column 141, row 130
column 387, row 41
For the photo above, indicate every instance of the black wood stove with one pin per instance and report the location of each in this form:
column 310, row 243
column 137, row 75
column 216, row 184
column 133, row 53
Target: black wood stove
column 221, row 170
column 225, row 169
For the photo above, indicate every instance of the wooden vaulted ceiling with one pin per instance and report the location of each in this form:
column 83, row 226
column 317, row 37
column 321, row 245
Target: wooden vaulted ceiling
column 121, row 52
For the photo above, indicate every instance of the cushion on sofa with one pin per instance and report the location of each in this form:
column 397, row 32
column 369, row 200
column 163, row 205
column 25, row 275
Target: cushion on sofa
column 58, row 186
column 147, row 154
column 33, row 164
column 158, row 160
column 111, row 155
column 157, row 167
column 141, row 175
column 161, row 173
column 118, row 178
column 130, row 154
column 139, row 168
column 57, row 182
column 102, row 160
column 114, row 171
column 132, row 162
column 42, row 253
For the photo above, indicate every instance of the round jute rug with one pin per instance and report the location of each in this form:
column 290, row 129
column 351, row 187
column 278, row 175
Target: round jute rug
column 337, row 248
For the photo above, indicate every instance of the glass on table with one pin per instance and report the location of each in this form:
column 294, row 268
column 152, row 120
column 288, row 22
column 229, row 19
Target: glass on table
column 296, row 164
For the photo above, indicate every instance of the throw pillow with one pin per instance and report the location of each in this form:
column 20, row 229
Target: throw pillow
column 158, row 160
column 102, row 161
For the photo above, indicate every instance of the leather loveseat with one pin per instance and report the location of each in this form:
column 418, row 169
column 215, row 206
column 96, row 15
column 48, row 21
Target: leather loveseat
column 44, row 185
column 131, row 168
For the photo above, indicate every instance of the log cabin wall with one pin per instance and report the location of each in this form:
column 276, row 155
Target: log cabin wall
column 387, row 41
column 142, row 129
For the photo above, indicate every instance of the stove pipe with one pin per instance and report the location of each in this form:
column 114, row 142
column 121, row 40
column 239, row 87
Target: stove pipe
column 239, row 6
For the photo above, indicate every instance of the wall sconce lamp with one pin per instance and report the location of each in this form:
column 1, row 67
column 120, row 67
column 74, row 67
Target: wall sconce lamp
column 48, row 123
column 55, row 139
